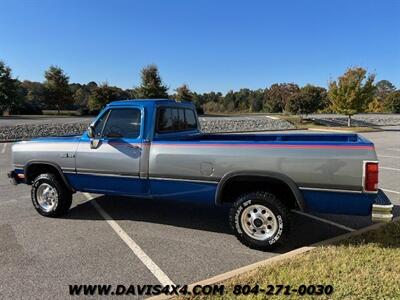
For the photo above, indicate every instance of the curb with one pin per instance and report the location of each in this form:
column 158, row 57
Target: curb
column 329, row 130
column 258, row 130
column 344, row 131
column 282, row 257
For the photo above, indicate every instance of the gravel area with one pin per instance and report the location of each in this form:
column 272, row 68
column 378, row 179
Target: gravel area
column 212, row 126
column 26, row 131
column 23, row 132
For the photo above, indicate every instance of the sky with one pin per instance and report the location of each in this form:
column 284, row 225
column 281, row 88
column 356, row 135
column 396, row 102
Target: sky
column 211, row 45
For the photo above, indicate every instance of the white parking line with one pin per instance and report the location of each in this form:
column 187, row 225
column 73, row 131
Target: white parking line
column 388, row 156
column 144, row 258
column 393, row 149
column 324, row 220
column 4, row 148
column 391, row 191
column 388, row 168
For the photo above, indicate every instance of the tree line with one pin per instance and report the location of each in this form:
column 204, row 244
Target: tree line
column 353, row 92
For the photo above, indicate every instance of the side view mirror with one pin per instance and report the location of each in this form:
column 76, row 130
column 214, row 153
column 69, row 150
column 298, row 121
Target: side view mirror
column 94, row 143
column 90, row 131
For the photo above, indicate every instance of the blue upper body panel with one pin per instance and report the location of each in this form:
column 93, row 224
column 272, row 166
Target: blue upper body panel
column 149, row 110
column 57, row 139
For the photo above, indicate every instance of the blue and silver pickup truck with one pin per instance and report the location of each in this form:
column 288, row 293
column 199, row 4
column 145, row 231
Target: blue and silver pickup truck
column 155, row 149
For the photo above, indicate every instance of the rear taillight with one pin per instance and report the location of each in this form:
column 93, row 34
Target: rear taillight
column 371, row 177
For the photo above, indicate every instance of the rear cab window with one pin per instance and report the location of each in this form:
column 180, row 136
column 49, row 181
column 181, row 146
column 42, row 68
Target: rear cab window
column 172, row 119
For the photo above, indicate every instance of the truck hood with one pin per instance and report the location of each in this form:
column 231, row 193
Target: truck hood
column 57, row 150
column 46, row 144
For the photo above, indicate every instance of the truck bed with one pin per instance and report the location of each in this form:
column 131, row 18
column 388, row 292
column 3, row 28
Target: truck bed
column 315, row 162
column 283, row 137
column 311, row 160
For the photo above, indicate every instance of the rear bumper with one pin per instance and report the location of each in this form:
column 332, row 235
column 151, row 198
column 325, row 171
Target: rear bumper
column 382, row 209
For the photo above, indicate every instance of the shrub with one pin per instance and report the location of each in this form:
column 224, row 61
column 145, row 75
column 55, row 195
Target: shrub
column 392, row 102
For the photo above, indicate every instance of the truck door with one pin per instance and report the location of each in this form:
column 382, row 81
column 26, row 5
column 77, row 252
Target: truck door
column 109, row 163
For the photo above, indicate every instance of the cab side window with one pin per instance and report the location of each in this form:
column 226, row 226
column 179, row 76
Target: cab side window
column 171, row 119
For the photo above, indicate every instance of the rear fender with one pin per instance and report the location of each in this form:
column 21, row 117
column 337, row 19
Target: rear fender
column 264, row 175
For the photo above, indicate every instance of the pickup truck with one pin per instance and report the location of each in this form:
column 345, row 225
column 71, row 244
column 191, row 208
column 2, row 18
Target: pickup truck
column 155, row 149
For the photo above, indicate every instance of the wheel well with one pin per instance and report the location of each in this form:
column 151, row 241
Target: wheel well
column 240, row 185
column 35, row 169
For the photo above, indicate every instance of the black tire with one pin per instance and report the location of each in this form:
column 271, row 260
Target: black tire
column 282, row 221
column 64, row 196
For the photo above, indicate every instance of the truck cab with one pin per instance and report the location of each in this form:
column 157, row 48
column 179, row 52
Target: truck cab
column 115, row 149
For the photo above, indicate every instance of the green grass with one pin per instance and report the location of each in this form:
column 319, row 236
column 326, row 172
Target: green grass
column 361, row 267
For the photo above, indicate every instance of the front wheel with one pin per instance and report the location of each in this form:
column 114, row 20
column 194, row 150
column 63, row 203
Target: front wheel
column 49, row 196
column 259, row 220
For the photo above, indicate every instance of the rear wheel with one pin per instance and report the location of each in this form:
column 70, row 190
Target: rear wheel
column 259, row 220
column 49, row 196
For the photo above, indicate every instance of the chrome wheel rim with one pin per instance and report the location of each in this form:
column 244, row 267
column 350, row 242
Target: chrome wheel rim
column 47, row 197
column 259, row 222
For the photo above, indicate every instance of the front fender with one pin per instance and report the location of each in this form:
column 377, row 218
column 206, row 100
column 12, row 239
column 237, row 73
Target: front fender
column 53, row 165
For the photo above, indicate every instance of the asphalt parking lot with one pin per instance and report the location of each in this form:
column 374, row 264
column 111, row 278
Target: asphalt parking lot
column 144, row 241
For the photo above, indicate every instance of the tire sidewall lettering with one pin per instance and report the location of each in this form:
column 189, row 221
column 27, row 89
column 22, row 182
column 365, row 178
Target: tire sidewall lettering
column 35, row 186
column 279, row 232
column 237, row 219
